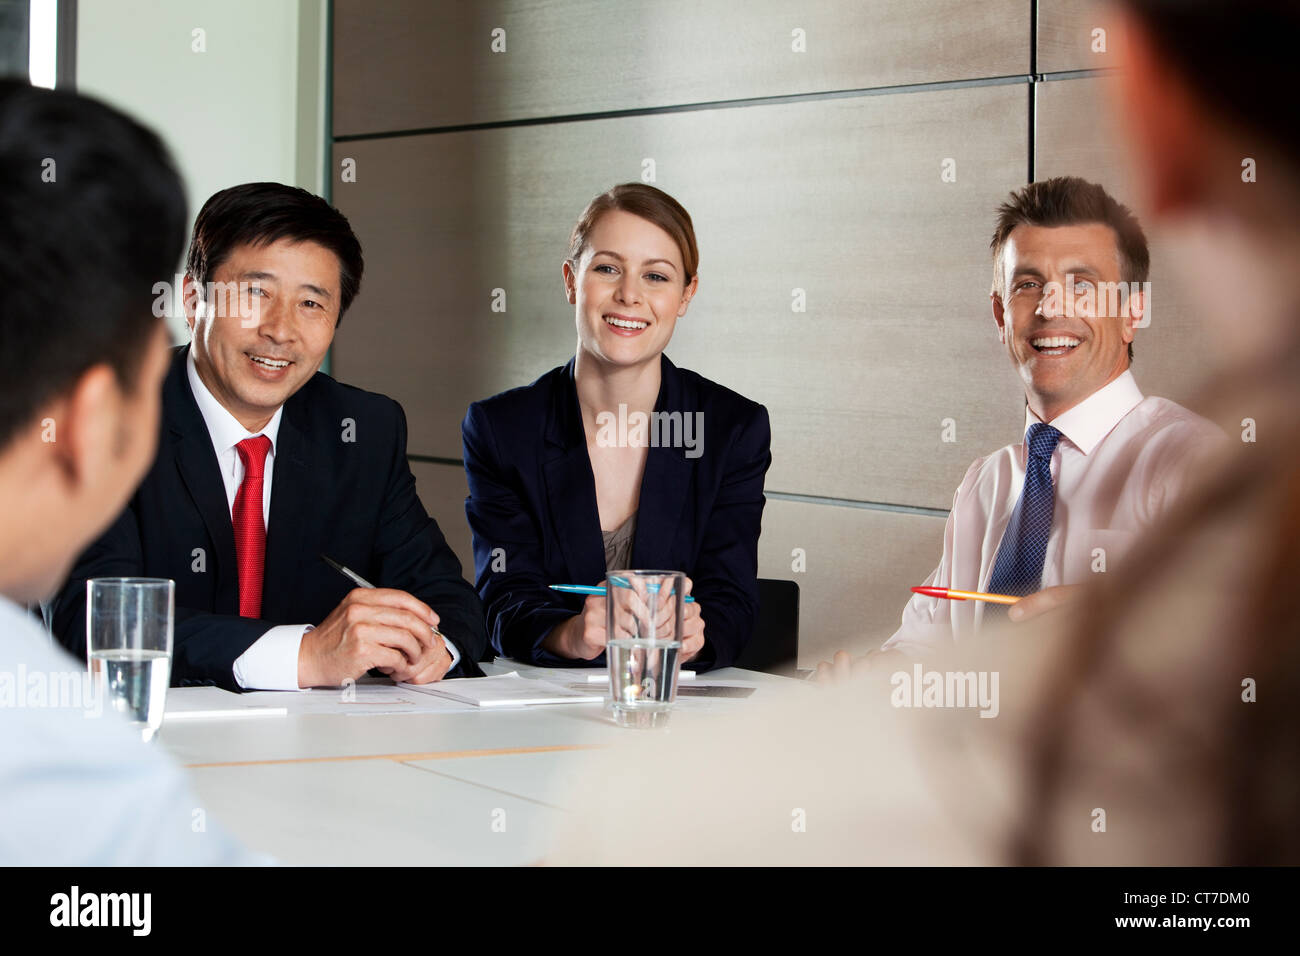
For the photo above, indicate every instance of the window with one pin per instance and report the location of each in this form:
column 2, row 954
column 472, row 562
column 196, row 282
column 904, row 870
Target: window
column 30, row 34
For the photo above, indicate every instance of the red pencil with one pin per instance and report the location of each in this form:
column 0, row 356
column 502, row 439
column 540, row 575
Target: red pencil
column 954, row 595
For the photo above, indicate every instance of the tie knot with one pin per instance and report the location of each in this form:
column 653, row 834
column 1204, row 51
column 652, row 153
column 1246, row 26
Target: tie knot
column 252, row 452
column 1042, row 440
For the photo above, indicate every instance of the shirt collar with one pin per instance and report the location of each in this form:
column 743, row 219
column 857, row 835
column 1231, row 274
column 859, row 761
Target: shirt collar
column 223, row 428
column 16, row 620
column 1087, row 423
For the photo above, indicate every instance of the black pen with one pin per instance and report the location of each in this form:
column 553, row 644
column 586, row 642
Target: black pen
column 361, row 582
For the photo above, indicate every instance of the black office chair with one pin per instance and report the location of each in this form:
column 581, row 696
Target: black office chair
column 774, row 647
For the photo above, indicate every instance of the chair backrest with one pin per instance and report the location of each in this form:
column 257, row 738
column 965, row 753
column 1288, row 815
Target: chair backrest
column 774, row 647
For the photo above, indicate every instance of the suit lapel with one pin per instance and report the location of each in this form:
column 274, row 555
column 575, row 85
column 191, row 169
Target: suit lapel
column 571, row 486
column 663, row 495
column 201, row 476
column 665, row 483
column 293, row 485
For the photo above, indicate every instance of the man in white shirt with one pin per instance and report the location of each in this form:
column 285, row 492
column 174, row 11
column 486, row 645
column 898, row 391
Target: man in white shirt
column 1100, row 462
column 268, row 467
column 80, row 366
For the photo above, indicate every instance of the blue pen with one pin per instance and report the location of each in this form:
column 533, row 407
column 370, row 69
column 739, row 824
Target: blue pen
column 595, row 589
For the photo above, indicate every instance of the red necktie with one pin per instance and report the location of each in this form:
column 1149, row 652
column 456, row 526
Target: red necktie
column 250, row 530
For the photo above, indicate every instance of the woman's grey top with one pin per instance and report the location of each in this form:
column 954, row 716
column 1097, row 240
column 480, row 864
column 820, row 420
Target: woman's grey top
column 618, row 545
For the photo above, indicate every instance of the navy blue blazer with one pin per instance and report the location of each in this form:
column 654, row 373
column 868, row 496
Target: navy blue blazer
column 533, row 495
column 353, row 500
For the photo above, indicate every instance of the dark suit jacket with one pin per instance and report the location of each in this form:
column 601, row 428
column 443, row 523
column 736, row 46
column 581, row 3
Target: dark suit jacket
column 352, row 500
column 533, row 495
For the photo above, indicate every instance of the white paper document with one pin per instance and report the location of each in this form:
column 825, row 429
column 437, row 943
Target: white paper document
column 358, row 700
column 365, row 699
column 213, row 703
column 602, row 677
column 506, row 690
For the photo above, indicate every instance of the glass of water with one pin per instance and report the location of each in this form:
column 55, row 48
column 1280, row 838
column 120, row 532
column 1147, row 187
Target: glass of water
column 129, row 646
column 643, row 622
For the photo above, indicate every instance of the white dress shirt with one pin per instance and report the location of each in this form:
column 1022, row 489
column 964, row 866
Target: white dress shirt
column 77, row 785
column 1121, row 461
column 270, row 662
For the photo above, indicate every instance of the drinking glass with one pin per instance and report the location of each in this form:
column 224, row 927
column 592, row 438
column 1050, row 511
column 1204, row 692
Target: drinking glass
column 129, row 625
column 643, row 620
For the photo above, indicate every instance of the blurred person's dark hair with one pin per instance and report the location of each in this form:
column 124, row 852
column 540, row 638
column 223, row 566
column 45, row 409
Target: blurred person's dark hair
column 1235, row 58
column 1071, row 201
column 1238, row 57
column 94, row 215
column 259, row 214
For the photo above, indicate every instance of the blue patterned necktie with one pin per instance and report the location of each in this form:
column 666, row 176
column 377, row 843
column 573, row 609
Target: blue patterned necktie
column 1019, row 565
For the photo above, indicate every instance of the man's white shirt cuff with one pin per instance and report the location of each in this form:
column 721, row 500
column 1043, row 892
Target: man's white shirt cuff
column 455, row 654
column 271, row 662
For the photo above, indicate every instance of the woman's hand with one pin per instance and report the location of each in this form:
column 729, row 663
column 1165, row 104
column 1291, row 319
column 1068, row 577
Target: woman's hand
column 581, row 637
column 692, row 627
column 692, row 632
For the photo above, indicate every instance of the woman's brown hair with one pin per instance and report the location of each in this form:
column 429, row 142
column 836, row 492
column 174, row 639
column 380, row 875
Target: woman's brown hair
column 651, row 204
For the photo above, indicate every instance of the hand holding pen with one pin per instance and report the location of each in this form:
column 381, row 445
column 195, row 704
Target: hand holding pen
column 385, row 629
column 583, row 636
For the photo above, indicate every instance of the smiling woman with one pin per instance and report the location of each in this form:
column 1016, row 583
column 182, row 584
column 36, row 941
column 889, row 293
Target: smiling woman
column 558, row 496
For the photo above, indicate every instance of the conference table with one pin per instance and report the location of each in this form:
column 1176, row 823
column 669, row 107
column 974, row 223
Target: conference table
column 466, row 787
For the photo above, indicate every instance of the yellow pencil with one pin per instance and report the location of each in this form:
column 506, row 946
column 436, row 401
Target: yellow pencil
column 952, row 594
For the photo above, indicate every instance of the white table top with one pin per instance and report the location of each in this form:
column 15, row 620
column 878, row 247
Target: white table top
column 472, row 788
